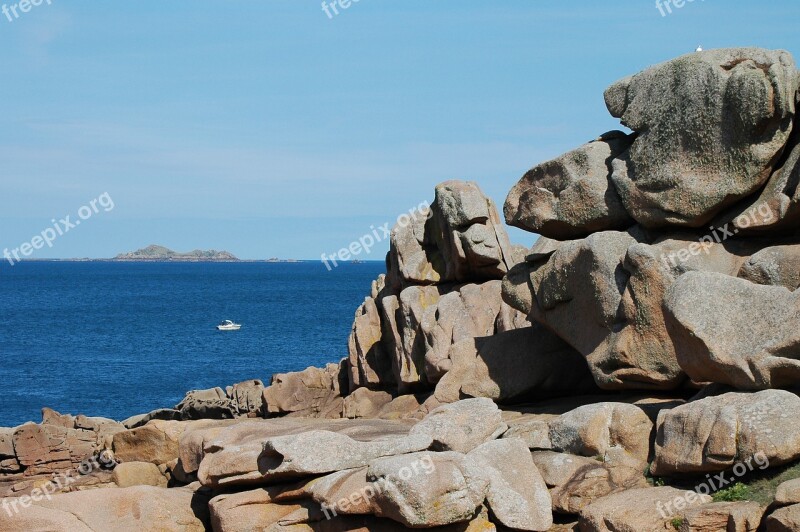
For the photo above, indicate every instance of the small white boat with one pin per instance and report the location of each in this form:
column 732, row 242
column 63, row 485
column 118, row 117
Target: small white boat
column 228, row 325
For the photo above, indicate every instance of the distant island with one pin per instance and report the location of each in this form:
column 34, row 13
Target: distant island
column 160, row 253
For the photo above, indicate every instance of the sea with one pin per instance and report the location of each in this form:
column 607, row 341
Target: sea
column 116, row 339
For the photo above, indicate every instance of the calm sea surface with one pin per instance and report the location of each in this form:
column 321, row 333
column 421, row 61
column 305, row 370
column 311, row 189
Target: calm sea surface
column 118, row 339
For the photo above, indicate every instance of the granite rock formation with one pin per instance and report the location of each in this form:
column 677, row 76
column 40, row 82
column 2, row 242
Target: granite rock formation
column 645, row 343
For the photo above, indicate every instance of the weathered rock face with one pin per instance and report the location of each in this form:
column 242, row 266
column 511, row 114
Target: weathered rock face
column 714, row 433
column 459, row 240
column 776, row 207
column 734, row 332
column 571, row 196
column 58, row 443
column 313, row 392
column 710, row 128
column 207, row 404
column 490, row 367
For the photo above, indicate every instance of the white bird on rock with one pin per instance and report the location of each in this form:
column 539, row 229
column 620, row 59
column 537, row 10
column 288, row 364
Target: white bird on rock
column 699, row 49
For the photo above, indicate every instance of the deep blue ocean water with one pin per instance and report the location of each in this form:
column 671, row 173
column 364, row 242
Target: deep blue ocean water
column 118, row 339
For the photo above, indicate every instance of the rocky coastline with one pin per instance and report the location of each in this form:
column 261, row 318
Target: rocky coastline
column 636, row 370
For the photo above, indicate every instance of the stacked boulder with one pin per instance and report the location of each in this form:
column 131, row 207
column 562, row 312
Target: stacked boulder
column 437, row 320
column 667, row 228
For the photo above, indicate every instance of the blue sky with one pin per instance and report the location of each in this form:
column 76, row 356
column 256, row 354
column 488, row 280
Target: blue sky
column 268, row 129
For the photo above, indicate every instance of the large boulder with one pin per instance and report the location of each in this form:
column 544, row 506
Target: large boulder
column 111, row 510
column 156, row 442
column 369, row 360
column 571, row 196
column 715, row 433
column 604, row 296
column 443, row 285
column 731, row 331
column 313, row 392
column 365, row 403
column 639, row 510
column 601, row 429
column 788, row 493
column 247, row 397
column 447, row 488
column 252, row 510
column 402, row 341
column 517, row 494
column 710, row 128
column 462, row 426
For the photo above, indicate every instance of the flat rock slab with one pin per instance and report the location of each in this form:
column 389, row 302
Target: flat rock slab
column 639, row 510
column 113, row 510
column 318, row 452
column 227, row 453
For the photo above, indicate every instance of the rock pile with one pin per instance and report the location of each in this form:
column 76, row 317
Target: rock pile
column 648, row 333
